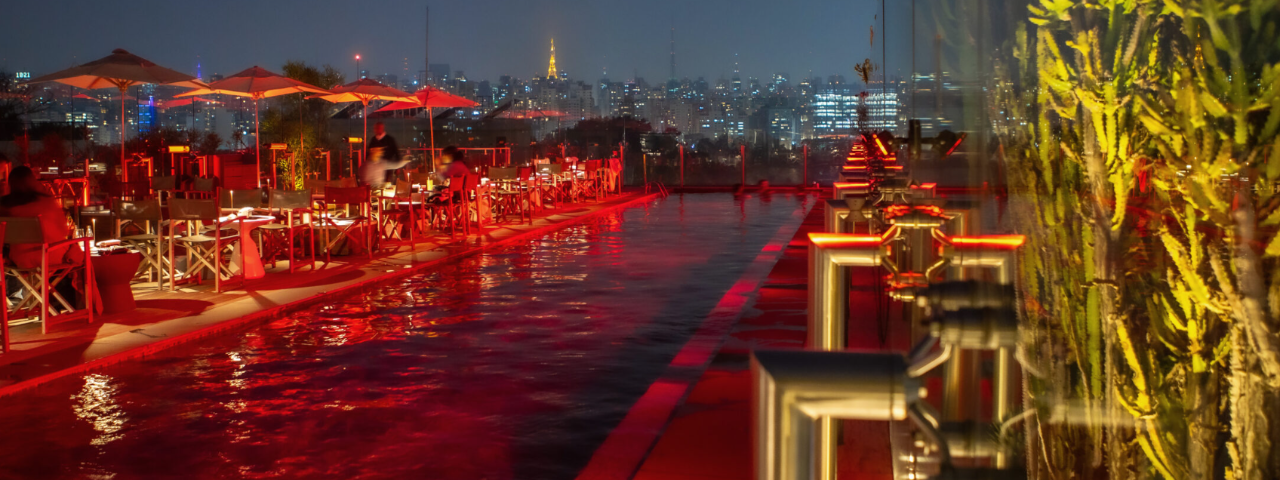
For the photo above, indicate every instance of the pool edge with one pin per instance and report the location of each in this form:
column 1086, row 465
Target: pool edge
column 627, row 447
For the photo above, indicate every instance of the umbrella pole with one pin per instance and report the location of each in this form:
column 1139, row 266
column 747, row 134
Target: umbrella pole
column 431, row 123
column 123, row 166
column 365, row 115
column 257, row 140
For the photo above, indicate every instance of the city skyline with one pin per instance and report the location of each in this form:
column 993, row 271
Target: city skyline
column 811, row 38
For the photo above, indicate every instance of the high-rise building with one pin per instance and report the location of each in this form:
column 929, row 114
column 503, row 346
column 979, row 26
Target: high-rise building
column 882, row 110
column 673, row 54
column 438, row 73
column 389, row 80
column 146, row 120
column 835, row 109
column 610, row 97
column 783, row 125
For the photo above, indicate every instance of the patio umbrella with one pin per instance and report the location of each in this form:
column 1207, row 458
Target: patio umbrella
column 531, row 113
column 185, row 102
column 364, row 91
column 120, row 70
column 257, row 83
column 534, row 113
column 430, row 97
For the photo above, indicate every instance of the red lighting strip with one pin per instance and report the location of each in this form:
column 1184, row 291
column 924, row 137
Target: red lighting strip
column 994, row 241
column 954, row 147
column 894, row 211
column 852, row 185
column 925, row 186
column 880, row 145
column 828, row 240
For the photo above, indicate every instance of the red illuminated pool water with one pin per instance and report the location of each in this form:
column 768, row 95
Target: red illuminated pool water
column 513, row 364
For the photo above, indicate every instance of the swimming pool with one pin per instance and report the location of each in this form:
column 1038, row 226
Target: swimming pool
column 514, row 363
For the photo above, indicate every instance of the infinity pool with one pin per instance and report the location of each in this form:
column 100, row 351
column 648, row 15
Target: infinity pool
column 512, row 364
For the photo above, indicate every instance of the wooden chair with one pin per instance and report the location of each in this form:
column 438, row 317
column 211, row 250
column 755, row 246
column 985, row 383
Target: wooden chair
column 451, row 206
column 163, row 187
column 399, row 209
column 350, row 225
column 529, row 185
column 203, row 188
column 292, row 227
column 316, row 186
column 4, row 293
column 481, row 206
column 549, row 184
column 205, row 250
column 145, row 217
column 509, row 193
column 57, row 264
column 593, row 180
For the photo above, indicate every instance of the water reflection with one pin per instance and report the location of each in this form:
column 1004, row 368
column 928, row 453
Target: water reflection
column 96, row 405
column 512, row 364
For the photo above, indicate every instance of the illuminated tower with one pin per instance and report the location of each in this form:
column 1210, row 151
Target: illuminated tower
column 551, row 69
column 673, row 53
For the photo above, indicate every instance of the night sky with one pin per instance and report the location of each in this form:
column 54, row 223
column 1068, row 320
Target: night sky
column 484, row 38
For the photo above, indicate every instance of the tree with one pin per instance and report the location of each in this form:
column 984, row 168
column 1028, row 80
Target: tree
column 300, row 123
column 208, row 144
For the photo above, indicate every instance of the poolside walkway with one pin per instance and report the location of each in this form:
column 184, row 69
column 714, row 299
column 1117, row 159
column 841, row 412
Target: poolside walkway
column 164, row 319
column 706, row 435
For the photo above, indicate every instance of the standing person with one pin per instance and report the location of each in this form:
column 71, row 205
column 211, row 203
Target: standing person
column 383, row 158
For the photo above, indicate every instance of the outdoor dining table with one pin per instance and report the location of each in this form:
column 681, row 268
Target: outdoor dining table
column 252, row 266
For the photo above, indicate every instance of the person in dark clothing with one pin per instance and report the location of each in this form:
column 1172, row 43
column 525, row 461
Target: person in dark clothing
column 27, row 198
column 382, row 157
column 453, row 170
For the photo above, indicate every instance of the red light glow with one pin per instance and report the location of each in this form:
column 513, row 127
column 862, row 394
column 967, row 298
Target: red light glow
column 894, row 211
column 880, row 145
column 990, row 241
column 954, row 147
column 832, row 240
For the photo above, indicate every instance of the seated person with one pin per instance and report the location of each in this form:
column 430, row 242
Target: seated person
column 27, row 198
column 455, row 169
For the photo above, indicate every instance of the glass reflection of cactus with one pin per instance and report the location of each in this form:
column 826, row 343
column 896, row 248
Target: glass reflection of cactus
column 1140, row 141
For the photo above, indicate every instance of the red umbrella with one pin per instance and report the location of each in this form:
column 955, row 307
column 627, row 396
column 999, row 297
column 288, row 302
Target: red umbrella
column 83, row 97
column 185, row 102
column 531, row 113
column 430, row 97
column 365, row 90
column 120, row 70
column 257, row 83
